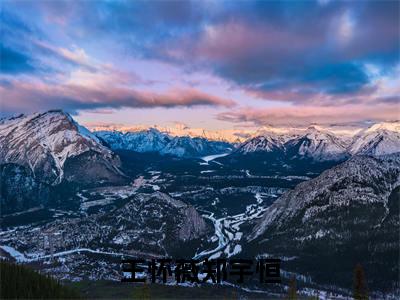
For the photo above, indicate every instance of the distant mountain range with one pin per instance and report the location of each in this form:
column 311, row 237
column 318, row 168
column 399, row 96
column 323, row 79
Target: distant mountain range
column 314, row 143
column 54, row 147
column 234, row 135
column 45, row 149
column 320, row 145
column 152, row 140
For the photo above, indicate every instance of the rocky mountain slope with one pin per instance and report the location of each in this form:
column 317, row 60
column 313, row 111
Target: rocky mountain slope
column 40, row 151
column 147, row 224
column 152, row 140
column 318, row 145
column 379, row 139
column 321, row 145
column 266, row 143
column 347, row 215
column 52, row 146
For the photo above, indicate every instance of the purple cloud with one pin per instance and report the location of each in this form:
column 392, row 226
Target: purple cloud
column 28, row 97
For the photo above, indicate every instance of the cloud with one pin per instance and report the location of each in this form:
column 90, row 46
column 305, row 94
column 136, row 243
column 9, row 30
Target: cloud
column 346, row 28
column 76, row 57
column 300, row 116
column 323, row 53
column 308, row 54
column 380, row 86
column 28, row 96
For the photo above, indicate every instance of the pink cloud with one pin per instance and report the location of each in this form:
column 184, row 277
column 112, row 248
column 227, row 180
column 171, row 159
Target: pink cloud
column 303, row 94
column 237, row 40
column 305, row 115
column 29, row 96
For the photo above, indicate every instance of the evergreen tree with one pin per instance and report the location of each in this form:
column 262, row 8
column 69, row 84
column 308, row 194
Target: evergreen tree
column 359, row 285
column 292, row 292
column 17, row 281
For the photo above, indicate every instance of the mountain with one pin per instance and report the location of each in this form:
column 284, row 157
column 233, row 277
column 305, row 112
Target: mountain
column 179, row 129
column 54, row 148
column 147, row 225
column 307, row 152
column 347, row 215
column 40, row 151
column 318, row 145
column 313, row 143
column 234, row 135
column 195, row 147
column 152, row 140
column 266, row 143
column 379, row 139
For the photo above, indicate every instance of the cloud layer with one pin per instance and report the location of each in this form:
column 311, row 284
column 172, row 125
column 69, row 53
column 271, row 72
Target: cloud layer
column 301, row 116
column 26, row 97
column 272, row 59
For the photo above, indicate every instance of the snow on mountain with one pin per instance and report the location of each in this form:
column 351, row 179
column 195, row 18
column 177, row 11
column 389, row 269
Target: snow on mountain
column 150, row 224
column 180, row 130
column 379, row 139
column 223, row 135
column 317, row 144
column 44, row 142
column 194, row 147
column 350, row 182
column 266, row 143
column 235, row 136
column 320, row 144
column 349, row 213
column 312, row 143
column 152, row 140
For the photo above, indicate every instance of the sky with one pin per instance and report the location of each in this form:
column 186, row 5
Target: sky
column 206, row 64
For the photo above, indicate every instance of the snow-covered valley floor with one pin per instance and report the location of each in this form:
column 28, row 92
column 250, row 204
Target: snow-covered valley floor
column 227, row 230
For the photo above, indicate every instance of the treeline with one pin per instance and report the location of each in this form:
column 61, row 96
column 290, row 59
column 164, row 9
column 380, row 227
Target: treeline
column 20, row 282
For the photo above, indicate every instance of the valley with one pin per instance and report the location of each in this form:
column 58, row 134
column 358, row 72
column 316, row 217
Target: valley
column 76, row 214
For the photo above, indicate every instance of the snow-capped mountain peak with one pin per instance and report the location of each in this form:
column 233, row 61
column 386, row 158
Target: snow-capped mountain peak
column 152, row 140
column 264, row 143
column 320, row 144
column 43, row 142
column 317, row 144
column 388, row 126
column 379, row 139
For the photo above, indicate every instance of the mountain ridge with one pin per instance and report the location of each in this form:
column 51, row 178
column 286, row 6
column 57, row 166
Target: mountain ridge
column 379, row 139
column 153, row 140
column 349, row 213
column 44, row 142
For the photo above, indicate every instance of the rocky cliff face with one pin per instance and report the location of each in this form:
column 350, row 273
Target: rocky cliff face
column 348, row 214
column 192, row 226
column 45, row 143
column 40, row 151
